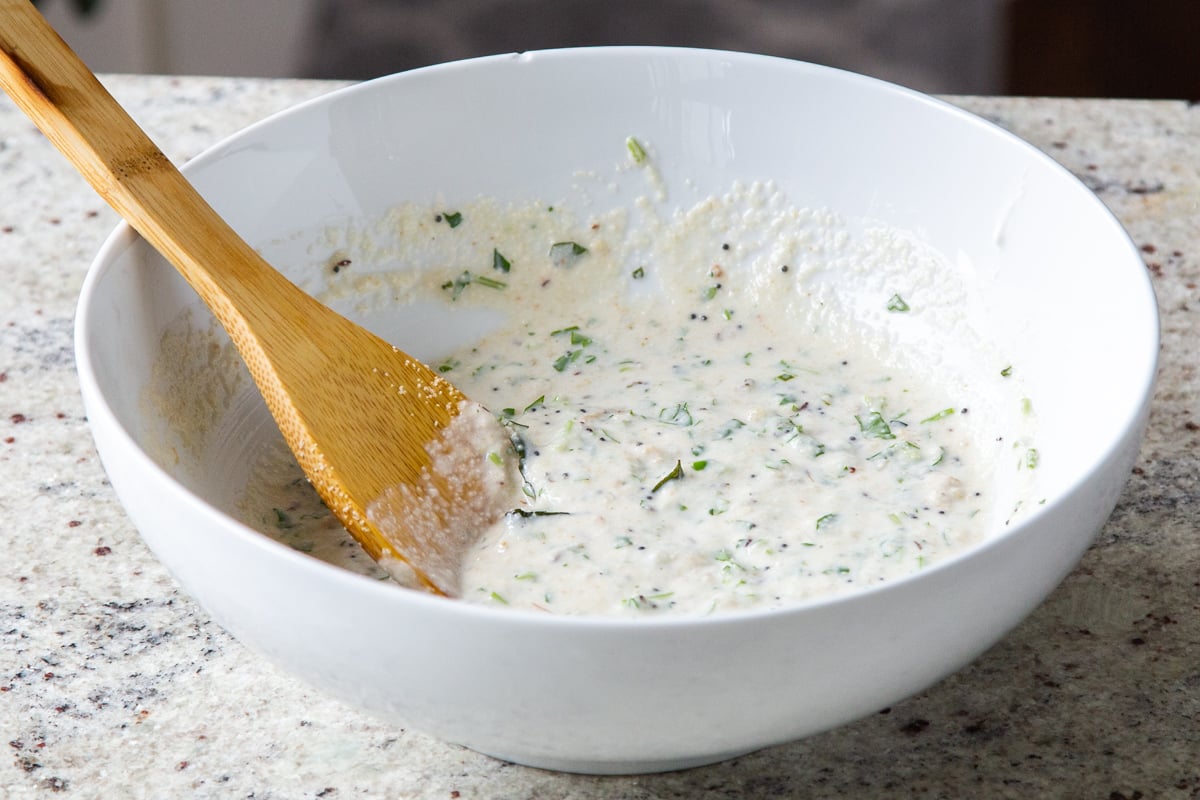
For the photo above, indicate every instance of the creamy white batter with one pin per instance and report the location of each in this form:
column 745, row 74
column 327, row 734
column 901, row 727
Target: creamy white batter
column 704, row 422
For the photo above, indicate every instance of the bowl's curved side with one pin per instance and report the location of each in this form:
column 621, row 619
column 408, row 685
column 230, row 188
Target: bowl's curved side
column 601, row 695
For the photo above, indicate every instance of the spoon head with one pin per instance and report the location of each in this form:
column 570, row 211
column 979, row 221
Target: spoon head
column 410, row 466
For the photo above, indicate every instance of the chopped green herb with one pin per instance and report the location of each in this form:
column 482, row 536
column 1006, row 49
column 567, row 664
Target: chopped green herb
column 896, row 304
column 711, row 292
column 526, row 513
column 283, row 520
column 677, row 414
column 465, row 279
column 1007, row 371
column 491, row 283
column 448, row 365
column 945, row 412
column 578, row 338
column 640, row 272
column 825, row 520
column 495, row 458
column 673, row 475
column 699, row 465
column 563, row 361
column 540, row 401
column 1026, row 406
column 636, row 150
column 452, row 218
column 526, row 576
column 730, row 426
column 499, row 262
column 456, row 286
column 564, row 254
column 1031, row 458
column 499, row 598
column 875, row 426
column 785, row 376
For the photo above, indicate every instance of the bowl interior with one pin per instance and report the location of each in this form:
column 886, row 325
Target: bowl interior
column 1056, row 279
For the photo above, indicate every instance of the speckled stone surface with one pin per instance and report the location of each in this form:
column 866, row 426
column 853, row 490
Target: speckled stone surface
column 114, row 684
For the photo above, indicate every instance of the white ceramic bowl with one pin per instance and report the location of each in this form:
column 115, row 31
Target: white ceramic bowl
column 1066, row 287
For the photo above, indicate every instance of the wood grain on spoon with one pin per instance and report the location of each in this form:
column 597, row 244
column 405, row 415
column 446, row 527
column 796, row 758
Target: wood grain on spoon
column 357, row 413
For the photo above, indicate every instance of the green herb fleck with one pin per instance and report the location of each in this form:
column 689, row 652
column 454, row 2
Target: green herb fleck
column 563, row 361
column 677, row 414
column 875, row 426
column 698, row 466
column 565, row 253
column 639, row 273
column 729, row 428
column 499, row 262
column 826, row 520
column 1007, row 371
column 945, row 412
column 283, row 520
column 896, row 304
column 1031, row 458
column 540, row 401
column 499, row 598
column 673, row 475
column 636, row 150
column 453, row 218
column 456, row 286
column 491, row 283
column 448, row 365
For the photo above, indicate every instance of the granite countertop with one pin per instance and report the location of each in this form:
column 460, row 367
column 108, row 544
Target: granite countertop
column 114, row 684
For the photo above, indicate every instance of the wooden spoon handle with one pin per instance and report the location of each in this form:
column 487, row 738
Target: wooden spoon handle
column 311, row 364
column 49, row 83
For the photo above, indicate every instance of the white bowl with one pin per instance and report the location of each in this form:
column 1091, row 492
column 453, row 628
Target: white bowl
column 1064, row 287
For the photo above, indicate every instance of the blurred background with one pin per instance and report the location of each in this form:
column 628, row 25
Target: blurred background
column 1084, row 48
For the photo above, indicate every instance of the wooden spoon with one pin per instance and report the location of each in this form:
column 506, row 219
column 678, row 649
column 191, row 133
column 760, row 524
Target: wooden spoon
column 361, row 417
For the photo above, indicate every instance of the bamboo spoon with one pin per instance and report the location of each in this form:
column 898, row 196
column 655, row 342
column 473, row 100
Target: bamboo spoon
column 359, row 415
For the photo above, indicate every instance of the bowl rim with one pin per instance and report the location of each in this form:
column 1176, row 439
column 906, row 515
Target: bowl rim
column 123, row 237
